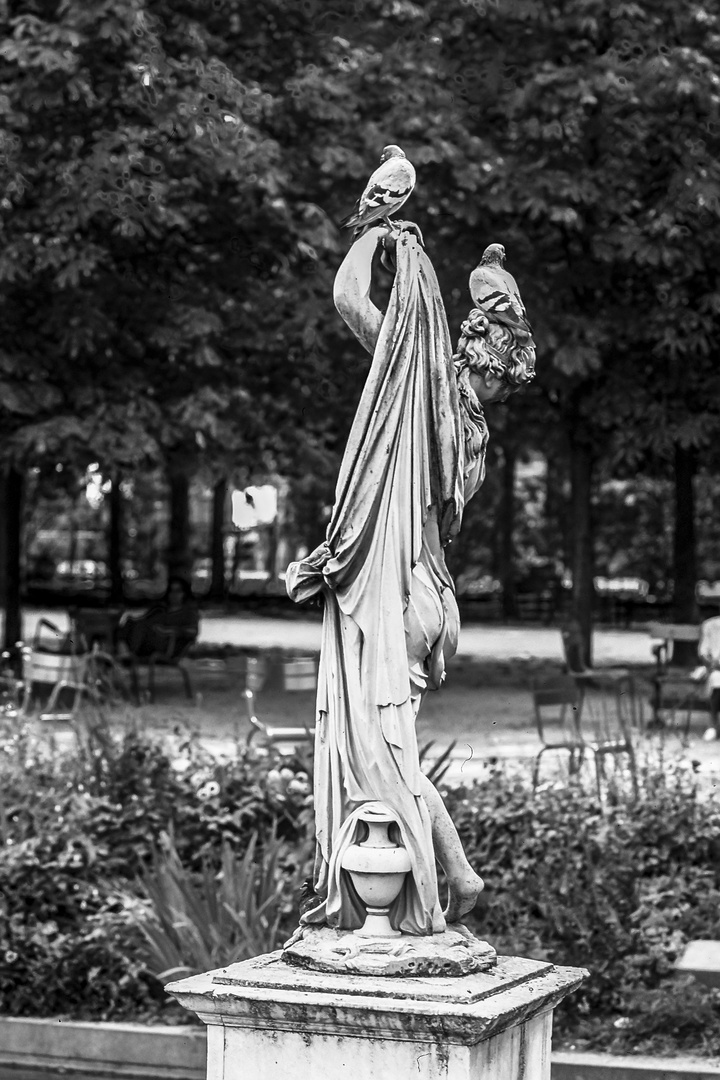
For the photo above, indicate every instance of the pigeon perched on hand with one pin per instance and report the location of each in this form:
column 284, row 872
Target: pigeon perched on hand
column 495, row 291
column 387, row 189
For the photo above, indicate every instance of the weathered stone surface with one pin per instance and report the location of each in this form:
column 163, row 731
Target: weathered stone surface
column 270, row 1020
column 267, row 992
column 271, row 971
column 454, row 953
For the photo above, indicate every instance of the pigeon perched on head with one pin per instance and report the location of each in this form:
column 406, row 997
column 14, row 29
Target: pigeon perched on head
column 495, row 291
column 386, row 191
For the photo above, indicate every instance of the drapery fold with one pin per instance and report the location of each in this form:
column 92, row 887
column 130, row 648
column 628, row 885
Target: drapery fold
column 401, row 460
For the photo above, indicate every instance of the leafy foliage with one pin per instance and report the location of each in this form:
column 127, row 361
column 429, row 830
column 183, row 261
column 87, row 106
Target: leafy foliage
column 586, row 137
column 79, row 829
column 174, row 174
column 618, row 891
column 133, row 308
column 120, row 866
column 196, row 923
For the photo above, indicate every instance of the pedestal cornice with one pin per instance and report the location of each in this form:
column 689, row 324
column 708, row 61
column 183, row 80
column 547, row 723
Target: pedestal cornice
column 267, row 993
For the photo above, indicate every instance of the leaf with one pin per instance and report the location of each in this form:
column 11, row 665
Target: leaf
column 28, row 400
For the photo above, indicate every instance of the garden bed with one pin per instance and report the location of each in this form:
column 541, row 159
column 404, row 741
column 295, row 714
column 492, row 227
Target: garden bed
column 131, row 861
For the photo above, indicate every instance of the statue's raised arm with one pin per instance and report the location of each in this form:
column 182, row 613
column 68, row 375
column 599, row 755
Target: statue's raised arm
column 352, row 288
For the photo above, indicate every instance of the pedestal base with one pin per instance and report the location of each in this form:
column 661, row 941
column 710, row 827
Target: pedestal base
column 268, row 1020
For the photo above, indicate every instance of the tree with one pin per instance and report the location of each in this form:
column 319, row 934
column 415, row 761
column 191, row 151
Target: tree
column 557, row 129
column 129, row 147
column 218, row 586
column 170, row 239
column 604, row 126
column 115, row 535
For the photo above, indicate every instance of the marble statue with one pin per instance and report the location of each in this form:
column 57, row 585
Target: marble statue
column 415, row 455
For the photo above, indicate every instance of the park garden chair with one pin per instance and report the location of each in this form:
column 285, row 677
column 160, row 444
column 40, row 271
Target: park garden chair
column 557, row 706
column 617, row 681
column 564, row 723
column 97, row 626
column 59, row 664
column 293, row 674
column 174, row 655
column 675, row 689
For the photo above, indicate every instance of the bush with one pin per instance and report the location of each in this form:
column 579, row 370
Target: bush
column 80, row 830
column 618, row 889
column 114, row 859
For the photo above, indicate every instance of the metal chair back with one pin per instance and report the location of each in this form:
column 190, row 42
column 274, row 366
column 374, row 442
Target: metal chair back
column 292, row 674
column 557, row 705
column 572, row 642
column 579, row 729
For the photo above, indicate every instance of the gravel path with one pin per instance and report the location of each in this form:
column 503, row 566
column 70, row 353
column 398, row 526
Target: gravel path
column 479, row 641
column 485, row 705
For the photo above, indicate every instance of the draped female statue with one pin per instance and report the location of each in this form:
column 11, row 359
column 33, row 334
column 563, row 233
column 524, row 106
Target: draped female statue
column 415, row 455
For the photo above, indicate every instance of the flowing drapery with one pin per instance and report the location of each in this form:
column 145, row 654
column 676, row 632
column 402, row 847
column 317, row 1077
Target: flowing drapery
column 390, row 613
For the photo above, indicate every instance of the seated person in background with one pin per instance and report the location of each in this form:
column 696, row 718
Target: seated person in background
column 709, row 671
column 172, row 623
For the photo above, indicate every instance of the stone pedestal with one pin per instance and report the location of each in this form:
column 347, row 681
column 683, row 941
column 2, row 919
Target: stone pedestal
column 269, row 1020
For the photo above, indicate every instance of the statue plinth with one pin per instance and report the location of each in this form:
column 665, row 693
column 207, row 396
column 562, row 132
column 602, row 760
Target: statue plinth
column 270, row 1020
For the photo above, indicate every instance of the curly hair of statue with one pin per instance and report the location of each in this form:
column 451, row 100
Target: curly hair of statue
column 486, row 347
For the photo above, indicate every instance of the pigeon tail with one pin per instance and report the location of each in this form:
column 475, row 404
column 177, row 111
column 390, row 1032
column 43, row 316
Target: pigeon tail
column 350, row 219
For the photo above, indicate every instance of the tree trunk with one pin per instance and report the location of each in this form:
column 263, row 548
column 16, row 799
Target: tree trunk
column 179, row 557
column 557, row 517
column 581, row 469
column 217, row 541
column 3, row 535
column 12, row 529
column 115, row 540
column 237, row 559
column 73, row 539
column 684, row 550
column 506, row 523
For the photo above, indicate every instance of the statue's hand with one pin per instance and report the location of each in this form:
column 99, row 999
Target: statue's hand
column 319, row 556
column 389, row 242
column 410, row 226
column 304, row 579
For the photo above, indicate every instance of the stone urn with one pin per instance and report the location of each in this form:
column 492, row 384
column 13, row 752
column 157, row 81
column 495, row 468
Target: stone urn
column 378, row 867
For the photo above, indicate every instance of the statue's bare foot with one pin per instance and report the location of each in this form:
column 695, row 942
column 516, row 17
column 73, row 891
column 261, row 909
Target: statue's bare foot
column 462, row 895
column 297, row 935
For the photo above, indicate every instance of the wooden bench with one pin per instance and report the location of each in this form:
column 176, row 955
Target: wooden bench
column 673, row 685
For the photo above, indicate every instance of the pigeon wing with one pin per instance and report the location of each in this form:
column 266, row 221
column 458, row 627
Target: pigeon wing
column 495, row 291
column 386, row 191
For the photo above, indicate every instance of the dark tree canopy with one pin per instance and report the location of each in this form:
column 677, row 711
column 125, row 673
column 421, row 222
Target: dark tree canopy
column 174, row 172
